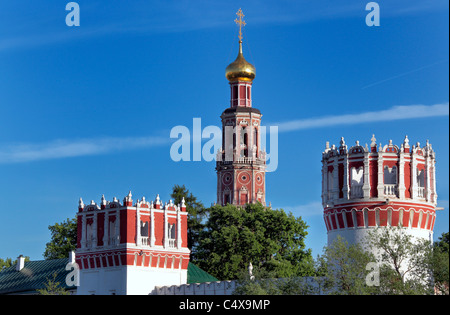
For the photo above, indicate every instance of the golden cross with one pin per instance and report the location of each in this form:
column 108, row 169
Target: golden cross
column 241, row 22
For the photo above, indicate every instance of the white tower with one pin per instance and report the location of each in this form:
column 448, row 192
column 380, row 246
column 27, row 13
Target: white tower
column 385, row 186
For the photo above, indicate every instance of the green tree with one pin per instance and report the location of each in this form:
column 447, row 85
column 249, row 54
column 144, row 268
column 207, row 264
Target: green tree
column 405, row 262
column 342, row 270
column 53, row 287
column 265, row 283
column 196, row 214
column 269, row 239
column 443, row 243
column 63, row 239
column 8, row 262
column 440, row 264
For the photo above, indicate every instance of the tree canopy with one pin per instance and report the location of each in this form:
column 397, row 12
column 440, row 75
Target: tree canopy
column 196, row 215
column 63, row 239
column 234, row 237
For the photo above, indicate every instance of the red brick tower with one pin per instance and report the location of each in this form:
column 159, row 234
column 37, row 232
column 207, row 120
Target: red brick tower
column 126, row 248
column 241, row 164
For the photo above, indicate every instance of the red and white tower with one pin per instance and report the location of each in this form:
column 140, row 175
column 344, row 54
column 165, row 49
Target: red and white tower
column 126, row 248
column 241, row 164
column 378, row 186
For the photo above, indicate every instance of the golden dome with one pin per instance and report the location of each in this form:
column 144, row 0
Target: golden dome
column 240, row 69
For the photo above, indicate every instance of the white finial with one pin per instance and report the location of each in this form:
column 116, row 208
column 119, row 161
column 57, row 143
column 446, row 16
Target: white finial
column 158, row 202
column 342, row 142
column 327, row 145
column 80, row 203
column 250, row 271
column 374, row 141
column 406, row 142
column 183, row 203
column 115, row 199
column 428, row 146
column 92, row 202
column 128, row 198
column 103, row 200
column 390, row 142
column 357, row 142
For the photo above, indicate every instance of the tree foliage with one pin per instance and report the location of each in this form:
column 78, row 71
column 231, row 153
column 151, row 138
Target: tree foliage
column 196, row 214
column 406, row 266
column 405, row 262
column 440, row 264
column 269, row 239
column 53, row 287
column 342, row 268
column 8, row 262
column 63, row 239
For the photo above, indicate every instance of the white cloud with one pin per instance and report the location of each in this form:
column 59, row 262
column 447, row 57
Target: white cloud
column 31, row 28
column 72, row 148
column 393, row 113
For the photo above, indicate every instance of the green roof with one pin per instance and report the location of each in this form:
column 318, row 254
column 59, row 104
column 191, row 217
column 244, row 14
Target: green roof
column 33, row 276
column 197, row 275
column 36, row 274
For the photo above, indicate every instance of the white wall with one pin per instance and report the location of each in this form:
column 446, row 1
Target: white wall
column 127, row 280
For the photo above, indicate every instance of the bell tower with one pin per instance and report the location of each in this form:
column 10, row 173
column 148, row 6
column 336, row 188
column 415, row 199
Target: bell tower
column 241, row 164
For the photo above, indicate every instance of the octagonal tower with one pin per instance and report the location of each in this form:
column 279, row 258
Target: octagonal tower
column 378, row 186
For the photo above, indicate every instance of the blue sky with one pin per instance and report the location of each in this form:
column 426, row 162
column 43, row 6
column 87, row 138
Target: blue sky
column 88, row 110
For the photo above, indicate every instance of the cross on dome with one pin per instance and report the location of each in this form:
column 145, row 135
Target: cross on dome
column 240, row 22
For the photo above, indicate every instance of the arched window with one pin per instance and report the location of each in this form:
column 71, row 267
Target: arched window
column 246, row 144
column 390, row 175
column 89, row 234
column 144, row 228
column 330, row 184
column 420, row 178
column 421, row 183
column 255, row 139
column 357, row 181
column 172, row 231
